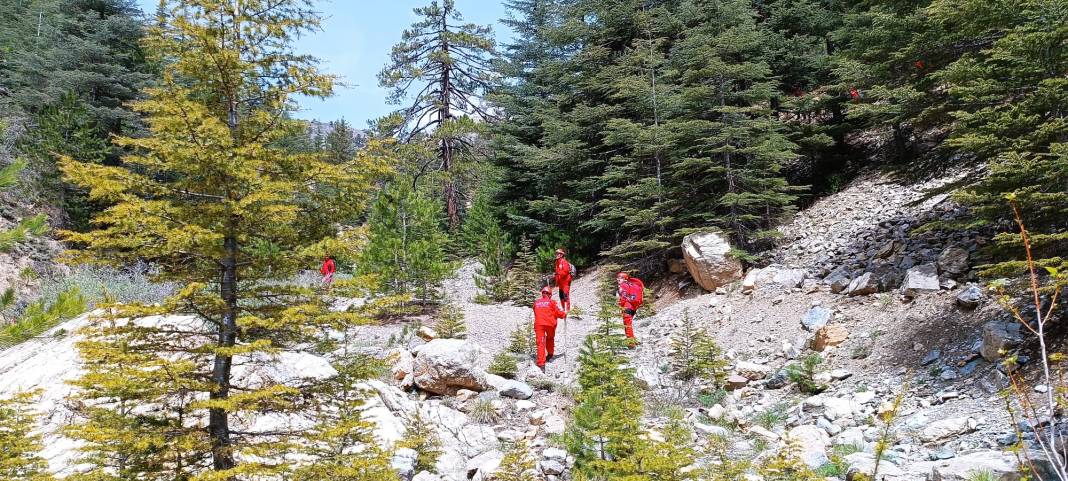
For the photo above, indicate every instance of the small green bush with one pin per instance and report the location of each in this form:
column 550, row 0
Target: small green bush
column 803, row 374
column 420, row 436
column 522, row 341
column 504, row 364
column 451, row 325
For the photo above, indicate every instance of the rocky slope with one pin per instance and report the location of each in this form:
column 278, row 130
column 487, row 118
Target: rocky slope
column 890, row 311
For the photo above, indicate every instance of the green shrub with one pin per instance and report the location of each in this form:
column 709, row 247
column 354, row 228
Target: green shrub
column 420, row 436
column 483, row 412
column 522, row 341
column 803, row 374
column 695, row 355
column 451, row 325
column 504, row 365
column 38, row 317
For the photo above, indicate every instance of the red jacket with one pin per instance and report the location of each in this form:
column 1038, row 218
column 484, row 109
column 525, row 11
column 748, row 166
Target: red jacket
column 563, row 270
column 631, row 293
column 328, row 267
column 546, row 312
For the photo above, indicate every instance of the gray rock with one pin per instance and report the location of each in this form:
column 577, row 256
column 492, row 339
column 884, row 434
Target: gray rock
column 403, row 461
column 931, row 357
column 812, row 443
column 970, row 297
column 838, row 279
column 752, row 371
column 426, row 476
column 816, row 318
column 517, row 390
column 863, row 285
column 947, row 428
column 778, row 380
column 999, row 336
column 953, row 261
column 708, row 260
column 920, row 279
column 1002, row 466
column 551, row 467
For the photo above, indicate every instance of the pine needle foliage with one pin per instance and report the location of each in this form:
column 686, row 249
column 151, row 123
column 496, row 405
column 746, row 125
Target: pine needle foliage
column 209, row 197
column 521, row 341
column 406, row 245
column 19, row 441
column 517, row 465
column 30, row 226
column 786, row 465
column 342, row 445
column 451, row 325
column 420, row 436
column 39, row 317
column 696, row 355
column 504, row 364
column 804, row 374
column 525, row 277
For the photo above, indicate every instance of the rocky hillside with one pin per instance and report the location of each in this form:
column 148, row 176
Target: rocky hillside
column 890, row 314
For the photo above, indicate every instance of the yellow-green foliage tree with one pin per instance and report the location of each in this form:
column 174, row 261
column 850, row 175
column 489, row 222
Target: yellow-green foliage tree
column 211, row 197
column 18, row 443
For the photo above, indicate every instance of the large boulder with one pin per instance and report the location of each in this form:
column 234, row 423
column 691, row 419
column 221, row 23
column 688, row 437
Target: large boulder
column 1001, row 466
column 999, row 336
column 947, row 428
column 919, row 279
column 444, row 366
column 708, row 260
column 773, row 275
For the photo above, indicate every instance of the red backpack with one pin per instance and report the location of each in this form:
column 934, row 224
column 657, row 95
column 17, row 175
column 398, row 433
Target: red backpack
column 634, row 290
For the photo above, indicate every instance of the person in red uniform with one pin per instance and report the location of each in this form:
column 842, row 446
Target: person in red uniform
column 546, row 313
column 631, row 293
column 327, row 270
column 563, row 279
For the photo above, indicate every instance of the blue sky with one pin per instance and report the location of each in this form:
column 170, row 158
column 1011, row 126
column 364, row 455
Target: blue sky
column 355, row 42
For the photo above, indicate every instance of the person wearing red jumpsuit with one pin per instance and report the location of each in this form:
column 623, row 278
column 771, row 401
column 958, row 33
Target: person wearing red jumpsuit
column 546, row 313
column 563, row 279
column 327, row 270
column 630, row 299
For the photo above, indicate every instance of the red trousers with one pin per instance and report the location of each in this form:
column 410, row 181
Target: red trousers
column 544, row 336
column 628, row 322
column 565, row 292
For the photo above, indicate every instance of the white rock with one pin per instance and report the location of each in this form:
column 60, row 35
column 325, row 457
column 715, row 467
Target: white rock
column 443, row 366
column 947, row 428
column 812, row 442
column 708, row 260
column 836, row 408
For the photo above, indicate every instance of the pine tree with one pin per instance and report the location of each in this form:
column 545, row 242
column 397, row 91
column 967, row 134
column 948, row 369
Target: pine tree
column 342, row 443
column 29, row 226
column 451, row 324
column 484, row 238
column 339, row 143
column 733, row 147
column 19, row 442
column 229, row 216
column 66, row 128
column 696, row 355
column 53, row 47
column 524, row 277
column 503, row 364
column 406, row 245
column 446, row 66
column 420, row 437
column 521, row 341
column 517, row 464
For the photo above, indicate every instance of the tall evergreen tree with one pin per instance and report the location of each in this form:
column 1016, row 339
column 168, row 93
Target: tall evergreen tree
column 230, row 216
column 406, row 245
column 66, row 128
column 442, row 67
column 92, row 48
column 731, row 147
